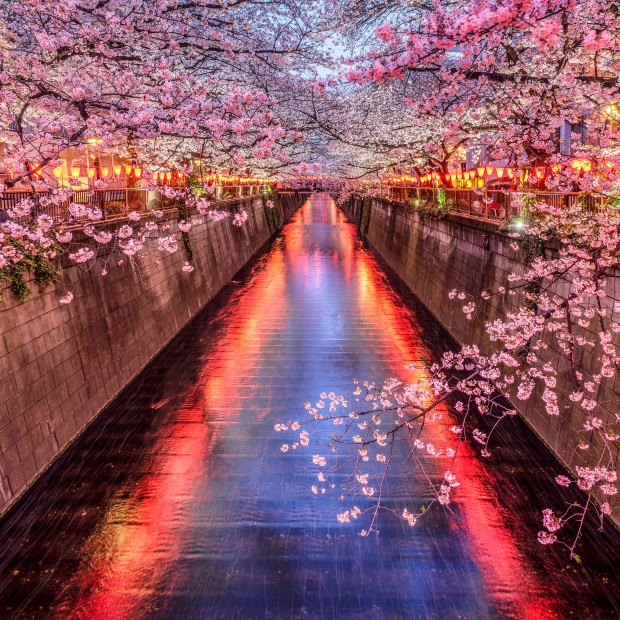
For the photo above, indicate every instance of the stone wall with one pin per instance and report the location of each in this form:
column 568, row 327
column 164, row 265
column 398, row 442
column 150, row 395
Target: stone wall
column 434, row 256
column 60, row 365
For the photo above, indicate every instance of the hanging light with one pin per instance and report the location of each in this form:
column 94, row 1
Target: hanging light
column 155, row 177
column 105, row 171
column 117, row 170
column 137, row 172
column 180, row 175
column 127, row 170
column 160, row 176
column 556, row 168
column 75, row 171
column 586, row 165
column 539, row 171
column 57, row 172
column 168, row 176
column 500, row 172
column 489, row 170
column 511, row 173
column 480, row 170
column 90, row 173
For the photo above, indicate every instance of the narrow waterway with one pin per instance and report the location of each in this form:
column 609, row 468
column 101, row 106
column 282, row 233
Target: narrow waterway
column 177, row 502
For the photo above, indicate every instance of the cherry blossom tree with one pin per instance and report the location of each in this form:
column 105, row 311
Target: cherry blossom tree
column 155, row 84
column 443, row 76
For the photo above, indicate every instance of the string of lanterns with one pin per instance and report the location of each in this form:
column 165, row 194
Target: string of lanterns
column 161, row 177
column 479, row 174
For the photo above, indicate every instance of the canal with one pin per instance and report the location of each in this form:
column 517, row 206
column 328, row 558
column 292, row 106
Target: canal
column 177, row 502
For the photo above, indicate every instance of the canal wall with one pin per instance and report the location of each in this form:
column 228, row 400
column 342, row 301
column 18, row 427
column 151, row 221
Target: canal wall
column 434, row 256
column 60, row 365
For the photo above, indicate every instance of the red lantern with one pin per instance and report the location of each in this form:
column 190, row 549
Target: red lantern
column 500, row 172
column 160, row 176
column 105, row 171
column 489, row 170
column 127, row 170
column 137, row 172
column 480, row 171
column 168, row 176
column 540, row 172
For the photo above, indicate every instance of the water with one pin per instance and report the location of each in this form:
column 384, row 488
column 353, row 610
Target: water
column 177, row 502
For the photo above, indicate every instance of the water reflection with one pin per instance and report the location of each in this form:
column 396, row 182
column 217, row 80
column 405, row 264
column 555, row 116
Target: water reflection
column 178, row 503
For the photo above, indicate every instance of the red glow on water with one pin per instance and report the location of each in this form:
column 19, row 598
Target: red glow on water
column 135, row 557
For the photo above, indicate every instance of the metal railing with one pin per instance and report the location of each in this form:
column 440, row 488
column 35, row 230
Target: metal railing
column 113, row 203
column 494, row 205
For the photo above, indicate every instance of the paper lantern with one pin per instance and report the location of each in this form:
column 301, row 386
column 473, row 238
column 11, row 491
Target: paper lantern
column 168, row 176
column 90, row 172
column 480, row 170
column 489, row 170
column 57, row 172
column 155, row 177
column 586, row 165
column 75, row 171
column 556, row 168
column 137, row 172
column 105, row 171
column 511, row 173
column 539, row 171
column 500, row 172
column 127, row 170
column 117, row 170
column 160, row 176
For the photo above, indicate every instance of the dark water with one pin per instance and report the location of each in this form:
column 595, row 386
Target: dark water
column 177, row 502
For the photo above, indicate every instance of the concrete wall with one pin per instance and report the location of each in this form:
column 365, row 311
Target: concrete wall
column 435, row 256
column 60, row 365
